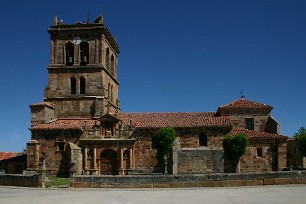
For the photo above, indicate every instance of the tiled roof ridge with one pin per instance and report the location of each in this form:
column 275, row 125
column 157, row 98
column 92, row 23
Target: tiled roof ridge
column 252, row 134
column 78, row 118
column 244, row 103
column 64, row 124
column 146, row 120
column 7, row 155
column 47, row 104
column 175, row 119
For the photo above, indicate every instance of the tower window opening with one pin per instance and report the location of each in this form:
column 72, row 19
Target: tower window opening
column 82, row 85
column 69, row 54
column 72, row 85
column 107, row 57
column 84, row 47
column 112, row 65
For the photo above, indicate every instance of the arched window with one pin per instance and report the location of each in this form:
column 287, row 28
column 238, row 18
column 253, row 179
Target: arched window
column 72, row 85
column 203, row 139
column 82, row 85
column 84, row 47
column 107, row 57
column 112, row 64
column 69, row 53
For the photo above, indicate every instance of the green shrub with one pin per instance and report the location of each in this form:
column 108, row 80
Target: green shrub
column 301, row 140
column 235, row 146
column 164, row 140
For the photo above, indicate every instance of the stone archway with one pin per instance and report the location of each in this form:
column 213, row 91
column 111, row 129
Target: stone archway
column 109, row 162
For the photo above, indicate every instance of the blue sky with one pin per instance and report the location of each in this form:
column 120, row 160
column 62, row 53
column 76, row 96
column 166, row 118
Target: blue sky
column 176, row 56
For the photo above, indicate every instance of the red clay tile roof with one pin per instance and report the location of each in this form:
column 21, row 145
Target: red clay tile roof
column 47, row 104
column 245, row 104
column 65, row 124
column 257, row 135
column 7, row 155
column 175, row 120
column 146, row 120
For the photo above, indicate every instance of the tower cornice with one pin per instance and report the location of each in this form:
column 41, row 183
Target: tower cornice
column 59, row 31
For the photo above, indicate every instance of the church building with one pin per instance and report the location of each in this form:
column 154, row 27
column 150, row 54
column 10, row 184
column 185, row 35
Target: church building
column 79, row 128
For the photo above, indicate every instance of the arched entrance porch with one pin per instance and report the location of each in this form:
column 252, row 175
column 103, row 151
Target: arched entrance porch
column 109, row 162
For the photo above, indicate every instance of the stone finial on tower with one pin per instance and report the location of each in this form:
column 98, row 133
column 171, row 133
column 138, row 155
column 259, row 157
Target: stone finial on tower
column 55, row 21
column 99, row 20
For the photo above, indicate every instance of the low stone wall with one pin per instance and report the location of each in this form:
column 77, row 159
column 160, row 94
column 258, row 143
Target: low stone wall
column 195, row 180
column 200, row 161
column 22, row 180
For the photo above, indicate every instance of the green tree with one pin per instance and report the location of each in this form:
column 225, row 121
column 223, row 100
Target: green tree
column 164, row 140
column 301, row 140
column 234, row 147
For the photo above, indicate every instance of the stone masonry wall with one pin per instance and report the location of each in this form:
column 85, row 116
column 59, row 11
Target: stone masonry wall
column 200, row 160
column 189, row 141
column 282, row 156
column 260, row 121
column 295, row 157
column 57, row 161
column 145, row 156
column 272, row 126
column 21, row 180
column 41, row 115
column 250, row 162
column 193, row 180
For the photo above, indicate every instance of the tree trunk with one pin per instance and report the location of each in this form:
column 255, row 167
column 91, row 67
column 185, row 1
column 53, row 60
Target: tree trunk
column 236, row 165
column 166, row 164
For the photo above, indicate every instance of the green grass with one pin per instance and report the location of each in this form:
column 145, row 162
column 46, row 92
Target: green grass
column 57, row 182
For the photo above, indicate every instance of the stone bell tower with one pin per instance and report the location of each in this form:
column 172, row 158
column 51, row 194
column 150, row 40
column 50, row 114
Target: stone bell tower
column 82, row 74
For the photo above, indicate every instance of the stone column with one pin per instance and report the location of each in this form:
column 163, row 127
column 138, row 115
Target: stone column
column 132, row 162
column 85, row 160
column 121, row 169
column 175, row 149
column 282, row 155
column 32, row 155
column 95, row 160
column 131, row 158
column 36, row 156
column 134, row 159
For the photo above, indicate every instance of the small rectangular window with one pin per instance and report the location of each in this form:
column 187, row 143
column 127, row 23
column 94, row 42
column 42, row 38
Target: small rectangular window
column 203, row 140
column 249, row 123
column 259, row 152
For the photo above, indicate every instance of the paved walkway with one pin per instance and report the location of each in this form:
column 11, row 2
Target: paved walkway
column 292, row 194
